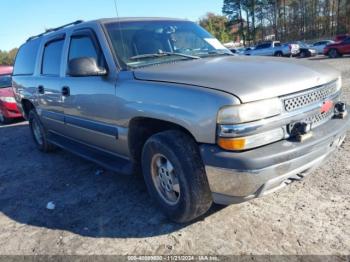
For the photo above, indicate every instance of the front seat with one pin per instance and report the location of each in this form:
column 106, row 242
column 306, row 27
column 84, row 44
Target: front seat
column 148, row 42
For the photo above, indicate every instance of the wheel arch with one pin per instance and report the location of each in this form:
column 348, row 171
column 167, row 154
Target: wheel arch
column 27, row 105
column 142, row 128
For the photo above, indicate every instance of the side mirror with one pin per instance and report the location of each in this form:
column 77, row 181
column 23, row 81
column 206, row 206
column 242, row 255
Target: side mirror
column 85, row 66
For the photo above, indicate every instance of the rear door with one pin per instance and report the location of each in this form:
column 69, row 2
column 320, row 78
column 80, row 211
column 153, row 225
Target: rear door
column 50, row 84
column 91, row 105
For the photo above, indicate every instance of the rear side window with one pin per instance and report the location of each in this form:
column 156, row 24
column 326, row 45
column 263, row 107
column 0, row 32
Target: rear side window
column 52, row 58
column 26, row 58
column 278, row 44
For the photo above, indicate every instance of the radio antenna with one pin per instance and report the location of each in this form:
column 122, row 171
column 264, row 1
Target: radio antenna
column 119, row 26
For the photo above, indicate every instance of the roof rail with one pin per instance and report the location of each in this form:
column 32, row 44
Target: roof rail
column 54, row 29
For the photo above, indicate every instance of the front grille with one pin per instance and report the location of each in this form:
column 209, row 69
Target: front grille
column 315, row 120
column 300, row 100
column 319, row 119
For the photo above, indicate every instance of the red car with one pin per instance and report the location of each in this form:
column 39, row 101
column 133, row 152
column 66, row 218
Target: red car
column 8, row 107
column 340, row 38
column 338, row 49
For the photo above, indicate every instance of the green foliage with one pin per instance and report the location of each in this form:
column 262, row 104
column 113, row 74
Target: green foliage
column 8, row 58
column 288, row 20
column 217, row 25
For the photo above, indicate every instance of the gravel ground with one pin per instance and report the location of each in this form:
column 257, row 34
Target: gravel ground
column 109, row 214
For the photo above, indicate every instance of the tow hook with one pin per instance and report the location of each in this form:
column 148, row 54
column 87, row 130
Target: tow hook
column 340, row 110
column 302, row 131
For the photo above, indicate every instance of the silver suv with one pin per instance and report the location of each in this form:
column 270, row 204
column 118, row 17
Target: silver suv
column 165, row 98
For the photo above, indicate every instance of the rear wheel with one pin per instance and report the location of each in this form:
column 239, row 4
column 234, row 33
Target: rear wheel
column 333, row 53
column 39, row 133
column 175, row 175
column 279, row 54
column 303, row 54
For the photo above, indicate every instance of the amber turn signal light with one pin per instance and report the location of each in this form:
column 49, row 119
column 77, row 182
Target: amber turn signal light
column 232, row 143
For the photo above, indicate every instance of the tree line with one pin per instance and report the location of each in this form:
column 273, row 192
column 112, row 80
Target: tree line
column 7, row 58
column 284, row 20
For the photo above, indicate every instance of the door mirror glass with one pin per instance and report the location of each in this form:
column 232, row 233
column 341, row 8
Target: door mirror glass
column 85, row 66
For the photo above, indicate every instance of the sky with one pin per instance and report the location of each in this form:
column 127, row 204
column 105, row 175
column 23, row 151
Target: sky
column 21, row 19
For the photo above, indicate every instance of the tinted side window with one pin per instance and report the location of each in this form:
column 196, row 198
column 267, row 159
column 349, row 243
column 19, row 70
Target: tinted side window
column 278, row 44
column 262, row 46
column 52, row 58
column 84, row 46
column 26, row 58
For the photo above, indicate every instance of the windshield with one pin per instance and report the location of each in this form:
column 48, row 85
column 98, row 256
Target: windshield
column 143, row 43
column 5, row 81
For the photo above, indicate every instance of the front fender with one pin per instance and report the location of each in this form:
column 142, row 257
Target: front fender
column 193, row 108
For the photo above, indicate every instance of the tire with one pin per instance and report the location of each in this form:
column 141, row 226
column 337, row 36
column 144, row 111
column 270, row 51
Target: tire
column 278, row 54
column 39, row 133
column 303, row 55
column 4, row 120
column 176, row 152
column 333, row 53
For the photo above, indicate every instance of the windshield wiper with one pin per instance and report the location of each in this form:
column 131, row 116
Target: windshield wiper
column 218, row 52
column 162, row 54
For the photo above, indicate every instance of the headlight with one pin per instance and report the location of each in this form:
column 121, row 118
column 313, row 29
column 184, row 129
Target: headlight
column 250, row 111
column 248, row 142
column 7, row 99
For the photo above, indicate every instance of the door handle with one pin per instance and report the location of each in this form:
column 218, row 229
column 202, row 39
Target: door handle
column 65, row 91
column 41, row 89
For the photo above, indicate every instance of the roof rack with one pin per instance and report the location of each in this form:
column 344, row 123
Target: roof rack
column 54, row 29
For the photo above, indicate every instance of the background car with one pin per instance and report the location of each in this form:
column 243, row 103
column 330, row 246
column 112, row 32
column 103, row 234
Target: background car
column 340, row 38
column 274, row 48
column 8, row 107
column 305, row 50
column 320, row 45
column 338, row 49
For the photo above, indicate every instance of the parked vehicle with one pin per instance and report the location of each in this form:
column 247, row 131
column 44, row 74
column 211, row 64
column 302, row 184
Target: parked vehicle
column 273, row 48
column 8, row 107
column 338, row 49
column 305, row 50
column 320, row 45
column 340, row 38
column 165, row 97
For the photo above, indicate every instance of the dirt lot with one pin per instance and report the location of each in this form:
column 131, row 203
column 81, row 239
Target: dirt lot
column 110, row 214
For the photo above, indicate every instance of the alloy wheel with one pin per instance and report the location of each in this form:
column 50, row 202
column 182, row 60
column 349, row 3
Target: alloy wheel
column 165, row 180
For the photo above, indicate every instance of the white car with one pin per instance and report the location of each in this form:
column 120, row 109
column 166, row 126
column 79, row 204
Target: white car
column 319, row 46
column 273, row 48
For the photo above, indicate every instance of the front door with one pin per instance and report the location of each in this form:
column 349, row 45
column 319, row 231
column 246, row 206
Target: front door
column 90, row 104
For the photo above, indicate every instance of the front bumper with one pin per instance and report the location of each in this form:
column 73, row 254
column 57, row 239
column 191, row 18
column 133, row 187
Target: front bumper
column 239, row 176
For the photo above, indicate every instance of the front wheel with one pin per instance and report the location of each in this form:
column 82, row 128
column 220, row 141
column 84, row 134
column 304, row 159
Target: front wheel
column 175, row 175
column 3, row 120
column 333, row 53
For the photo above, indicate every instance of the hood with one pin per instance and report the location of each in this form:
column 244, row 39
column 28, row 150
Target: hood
column 248, row 78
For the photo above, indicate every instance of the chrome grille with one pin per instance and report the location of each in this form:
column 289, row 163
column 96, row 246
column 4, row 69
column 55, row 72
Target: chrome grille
column 300, row 100
column 315, row 120
column 319, row 119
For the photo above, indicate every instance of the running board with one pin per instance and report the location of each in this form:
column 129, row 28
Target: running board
column 104, row 159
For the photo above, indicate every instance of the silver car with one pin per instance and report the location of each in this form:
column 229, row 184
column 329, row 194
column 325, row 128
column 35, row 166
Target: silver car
column 164, row 98
column 319, row 46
